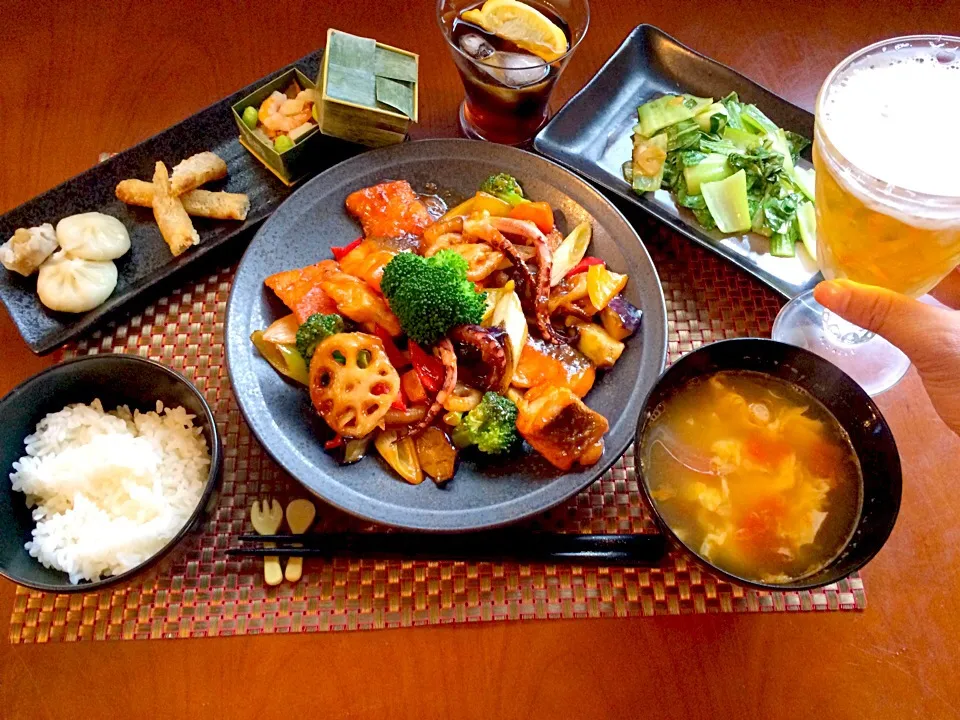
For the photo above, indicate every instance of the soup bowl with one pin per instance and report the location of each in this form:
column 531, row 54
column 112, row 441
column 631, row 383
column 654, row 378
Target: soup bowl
column 842, row 396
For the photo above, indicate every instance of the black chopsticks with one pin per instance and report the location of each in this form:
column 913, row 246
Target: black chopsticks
column 637, row 550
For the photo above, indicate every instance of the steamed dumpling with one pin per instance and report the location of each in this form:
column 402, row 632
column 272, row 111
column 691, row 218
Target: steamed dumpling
column 28, row 248
column 93, row 236
column 72, row 284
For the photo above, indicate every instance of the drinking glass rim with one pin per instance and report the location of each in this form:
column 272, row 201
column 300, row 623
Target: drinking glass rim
column 568, row 53
column 883, row 186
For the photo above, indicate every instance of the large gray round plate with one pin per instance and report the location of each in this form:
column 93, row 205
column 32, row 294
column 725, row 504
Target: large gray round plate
column 483, row 493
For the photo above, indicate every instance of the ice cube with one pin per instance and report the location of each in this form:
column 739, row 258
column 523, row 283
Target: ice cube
column 475, row 46
column 516, row 70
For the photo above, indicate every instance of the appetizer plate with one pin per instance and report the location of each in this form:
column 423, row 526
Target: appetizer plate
column 485, row 492
column 149, row 261
column 592, row 135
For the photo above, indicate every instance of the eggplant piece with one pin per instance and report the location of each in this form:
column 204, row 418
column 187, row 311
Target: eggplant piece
column 599, row 346
column 438, row 456
column 351, row 450
column 620, row 318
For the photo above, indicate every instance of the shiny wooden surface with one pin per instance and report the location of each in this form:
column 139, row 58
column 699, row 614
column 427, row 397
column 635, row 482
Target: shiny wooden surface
column 79, row 78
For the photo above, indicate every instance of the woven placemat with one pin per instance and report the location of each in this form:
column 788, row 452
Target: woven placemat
column 197, row 592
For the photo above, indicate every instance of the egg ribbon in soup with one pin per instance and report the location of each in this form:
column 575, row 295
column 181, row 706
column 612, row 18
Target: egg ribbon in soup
column 754, row 474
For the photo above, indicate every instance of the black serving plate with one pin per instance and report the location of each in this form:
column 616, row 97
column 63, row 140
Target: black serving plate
column 866, row 427
column 149, row 261
column 592, row 135
column 485, row 492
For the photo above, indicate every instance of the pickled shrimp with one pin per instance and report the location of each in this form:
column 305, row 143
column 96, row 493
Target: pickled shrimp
column 279, row 114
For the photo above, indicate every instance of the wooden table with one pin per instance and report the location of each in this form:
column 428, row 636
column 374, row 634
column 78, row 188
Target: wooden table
column 80, row 78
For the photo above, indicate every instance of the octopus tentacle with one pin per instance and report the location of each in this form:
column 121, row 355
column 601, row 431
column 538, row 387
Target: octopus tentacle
column 536, row 285
column 542, row 289
column 444, row 351
column 521, row 228
column 493, row 354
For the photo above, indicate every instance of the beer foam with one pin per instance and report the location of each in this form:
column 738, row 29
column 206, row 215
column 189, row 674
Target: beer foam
column 895, row 115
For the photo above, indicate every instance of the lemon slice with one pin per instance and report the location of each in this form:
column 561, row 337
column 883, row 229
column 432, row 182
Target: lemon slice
column 524, row 26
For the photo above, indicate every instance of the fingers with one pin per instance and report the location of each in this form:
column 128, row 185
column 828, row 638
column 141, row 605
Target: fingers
column 919, row 330
column 948, row 291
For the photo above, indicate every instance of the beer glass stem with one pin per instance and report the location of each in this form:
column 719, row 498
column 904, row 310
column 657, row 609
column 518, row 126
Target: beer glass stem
column 843, row 331
column 867, row 358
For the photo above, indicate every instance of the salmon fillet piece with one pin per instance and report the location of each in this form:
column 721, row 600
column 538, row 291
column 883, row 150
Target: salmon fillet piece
column 300, row 289
column 389, row 210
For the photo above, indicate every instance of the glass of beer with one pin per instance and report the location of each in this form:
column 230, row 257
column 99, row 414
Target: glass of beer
column 887, row 192
column 509, row 54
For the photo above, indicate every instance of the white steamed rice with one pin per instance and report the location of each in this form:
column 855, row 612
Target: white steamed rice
column 109, row 489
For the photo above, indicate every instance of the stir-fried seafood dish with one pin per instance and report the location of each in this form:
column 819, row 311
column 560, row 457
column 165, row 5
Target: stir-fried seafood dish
column 473, row 331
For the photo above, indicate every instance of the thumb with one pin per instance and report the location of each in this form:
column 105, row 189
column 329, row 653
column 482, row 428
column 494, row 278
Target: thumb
column 912, row 326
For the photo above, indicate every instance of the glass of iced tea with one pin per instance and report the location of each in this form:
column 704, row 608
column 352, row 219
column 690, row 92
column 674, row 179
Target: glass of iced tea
column 509, row 54
column 887, row 192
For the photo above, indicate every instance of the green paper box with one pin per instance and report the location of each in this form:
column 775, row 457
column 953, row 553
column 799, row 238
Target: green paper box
column 292, row 164
column 369, row 93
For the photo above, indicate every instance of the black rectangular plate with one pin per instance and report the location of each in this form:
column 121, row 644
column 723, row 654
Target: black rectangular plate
column 592, row 136
column 149, row 261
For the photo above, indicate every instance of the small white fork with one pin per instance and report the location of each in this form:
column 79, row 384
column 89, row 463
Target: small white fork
column 266, row 521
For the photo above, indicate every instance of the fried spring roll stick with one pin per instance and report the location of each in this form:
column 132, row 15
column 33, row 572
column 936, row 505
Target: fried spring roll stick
column 200, row 203
column 175, row 225
column 195, row 171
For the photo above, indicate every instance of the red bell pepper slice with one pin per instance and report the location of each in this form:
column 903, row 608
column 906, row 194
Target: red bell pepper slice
column 395, row 355
column 340, row 252
column 429, row 369
column 584, row 264
column 335, row 443
column 399, row 403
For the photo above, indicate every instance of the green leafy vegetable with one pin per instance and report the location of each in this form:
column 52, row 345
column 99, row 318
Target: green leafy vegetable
column 691, row 158
column 805, row 181
column 711, row 168
column 727, row 201
column 743, row 140
column 713, row 119
column 668, row 110
column 723, row 146
column 807, row 220
column 734, row 111
column 754, row 118
column 797, row 144
column 683, row 136
column 726, row 162
column 780, row 216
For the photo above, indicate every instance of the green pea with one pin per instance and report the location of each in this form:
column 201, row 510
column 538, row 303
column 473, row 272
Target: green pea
column 250, row 117
column 282, row 143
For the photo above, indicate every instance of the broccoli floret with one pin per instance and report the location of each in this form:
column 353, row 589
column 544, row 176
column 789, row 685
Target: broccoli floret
column 505, row 187
column 431, row 295
column 317, row 328
column 491, row 425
